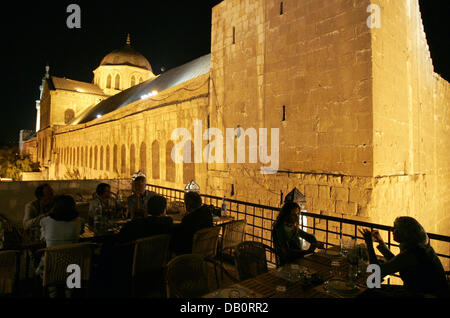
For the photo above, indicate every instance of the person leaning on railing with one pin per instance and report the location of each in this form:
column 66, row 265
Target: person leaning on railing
column 287, row 235
column 419, row 266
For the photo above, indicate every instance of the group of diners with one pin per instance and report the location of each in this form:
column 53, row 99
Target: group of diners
column 417, row 263
column 56, row 219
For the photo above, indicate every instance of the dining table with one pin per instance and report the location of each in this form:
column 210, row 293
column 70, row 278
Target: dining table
column 308, row 277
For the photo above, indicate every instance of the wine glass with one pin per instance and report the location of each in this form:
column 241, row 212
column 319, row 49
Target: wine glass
column 347, row 244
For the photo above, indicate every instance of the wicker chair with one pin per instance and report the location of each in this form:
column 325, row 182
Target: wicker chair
column 205, row 242
column 187, row 277
column 250, row 259
column 150, row 257
column 233, row 233
column 58, row 258
column 9, row 263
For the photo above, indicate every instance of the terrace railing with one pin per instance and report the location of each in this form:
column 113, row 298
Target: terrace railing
column 328, row 229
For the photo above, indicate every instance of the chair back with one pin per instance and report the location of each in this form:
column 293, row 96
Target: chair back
column 250, row 259
column 280, row 258
column 187, row 277
column 233, row 234
column 8, row 271
column 58, row 258
column 150, row 254
column 205, row 242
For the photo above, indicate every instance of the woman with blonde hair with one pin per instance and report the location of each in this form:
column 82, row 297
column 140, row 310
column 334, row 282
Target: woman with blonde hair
column 418, row 265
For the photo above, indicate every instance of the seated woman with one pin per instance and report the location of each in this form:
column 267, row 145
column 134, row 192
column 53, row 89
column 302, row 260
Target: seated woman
column 418, row 265
column 61, row 227
column 287, row 235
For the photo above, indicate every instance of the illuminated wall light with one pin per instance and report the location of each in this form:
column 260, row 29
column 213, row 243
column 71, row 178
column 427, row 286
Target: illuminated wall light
column 153, row 93
column 99, row 116
column 79, row 90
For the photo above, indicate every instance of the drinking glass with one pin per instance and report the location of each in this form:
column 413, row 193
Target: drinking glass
column 347, row 244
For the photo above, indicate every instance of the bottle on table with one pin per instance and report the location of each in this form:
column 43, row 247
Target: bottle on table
column 98, row 218
column 223, row 210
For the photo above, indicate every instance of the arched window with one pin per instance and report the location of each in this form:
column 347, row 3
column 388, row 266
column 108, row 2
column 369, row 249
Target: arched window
column 133, row 80
column 188, row 167
column 78, row 156
column 101, row 158
column 170, row 164
column 140, row 80
column 117, row 82
column 143, row 158
column 108, row 81
column 82, row 157
column 123, row 160
column 95, row 157
column 132, row 159
column 86, row 156
column 155, row 159
column 107, row 158
column 90, row 157
column 115, row 159
column 69, row 114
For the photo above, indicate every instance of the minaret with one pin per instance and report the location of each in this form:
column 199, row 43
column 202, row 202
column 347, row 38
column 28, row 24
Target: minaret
column 128, row 40
column 38, row 102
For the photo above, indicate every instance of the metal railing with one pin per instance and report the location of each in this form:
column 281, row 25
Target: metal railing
column 328, row 229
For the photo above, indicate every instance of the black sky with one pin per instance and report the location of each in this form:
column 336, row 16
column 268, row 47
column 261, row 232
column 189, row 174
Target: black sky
column 169, row 33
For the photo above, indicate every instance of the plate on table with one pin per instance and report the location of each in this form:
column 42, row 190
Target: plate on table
column 342, row 287
column 231, row 292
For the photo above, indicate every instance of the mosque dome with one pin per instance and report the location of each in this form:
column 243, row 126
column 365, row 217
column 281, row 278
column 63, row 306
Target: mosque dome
column 126, row 56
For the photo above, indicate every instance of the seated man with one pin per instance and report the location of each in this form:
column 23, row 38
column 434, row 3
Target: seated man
column 198, row 217
column 103, row 202
column 36, row 210
column 151, row 222
column 138, row 201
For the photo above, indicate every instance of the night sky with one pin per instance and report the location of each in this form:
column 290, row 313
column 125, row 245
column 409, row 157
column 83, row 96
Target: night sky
column 168, row 33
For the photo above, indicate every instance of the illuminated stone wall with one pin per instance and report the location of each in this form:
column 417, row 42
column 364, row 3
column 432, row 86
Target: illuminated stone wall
column 366, row 128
